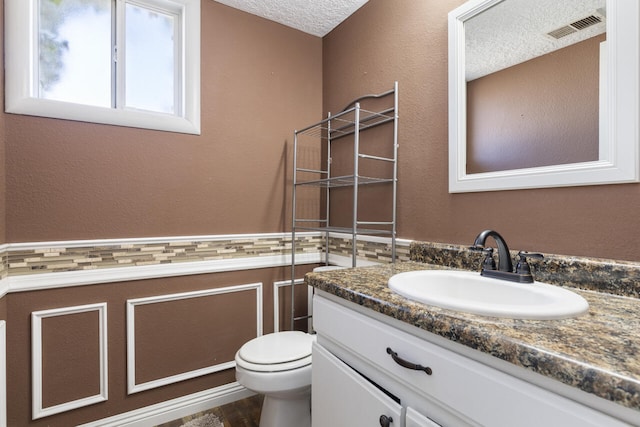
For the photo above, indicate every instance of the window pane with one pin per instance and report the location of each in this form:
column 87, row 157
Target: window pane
column 74, row 55
column 150, row 59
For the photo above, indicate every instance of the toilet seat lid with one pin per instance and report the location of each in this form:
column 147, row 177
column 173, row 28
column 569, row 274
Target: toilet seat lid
column 279, row 347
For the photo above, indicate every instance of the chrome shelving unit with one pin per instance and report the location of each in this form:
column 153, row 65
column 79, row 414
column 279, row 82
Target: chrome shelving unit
column 349, row 124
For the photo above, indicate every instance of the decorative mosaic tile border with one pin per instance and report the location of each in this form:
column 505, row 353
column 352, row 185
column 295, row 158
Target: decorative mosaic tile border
column 375, row 250
column 611, row 276
column 615, row 277
column 53, row 257
column 75, row 257
column 4, row 268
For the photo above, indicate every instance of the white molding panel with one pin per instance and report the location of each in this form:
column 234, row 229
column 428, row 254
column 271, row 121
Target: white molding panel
column 276, row 301
column 176, row 408
column 36, row 355
column 3, row 373
column 132, row 386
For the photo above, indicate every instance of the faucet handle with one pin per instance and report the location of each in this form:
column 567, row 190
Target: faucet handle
column 488, row 263
column 523, row 266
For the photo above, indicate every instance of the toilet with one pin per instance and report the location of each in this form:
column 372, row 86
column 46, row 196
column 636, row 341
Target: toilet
column 278, row 366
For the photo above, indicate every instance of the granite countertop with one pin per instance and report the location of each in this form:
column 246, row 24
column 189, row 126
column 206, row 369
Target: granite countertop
column 598, row 352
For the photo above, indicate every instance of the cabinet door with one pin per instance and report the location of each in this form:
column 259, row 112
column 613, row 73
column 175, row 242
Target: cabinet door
column 342, row 397
column 415, row 419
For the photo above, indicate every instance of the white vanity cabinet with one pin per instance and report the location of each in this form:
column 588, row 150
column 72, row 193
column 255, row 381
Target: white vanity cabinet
column 448, row 388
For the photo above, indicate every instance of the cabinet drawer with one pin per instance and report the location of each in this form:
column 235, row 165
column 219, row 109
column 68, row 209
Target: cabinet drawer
column 479, row 392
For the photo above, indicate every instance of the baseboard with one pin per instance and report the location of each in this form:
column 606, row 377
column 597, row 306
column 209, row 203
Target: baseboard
column 176, row 408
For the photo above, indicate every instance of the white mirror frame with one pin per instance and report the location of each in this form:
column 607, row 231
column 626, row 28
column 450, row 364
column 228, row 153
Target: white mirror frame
column 619, row 152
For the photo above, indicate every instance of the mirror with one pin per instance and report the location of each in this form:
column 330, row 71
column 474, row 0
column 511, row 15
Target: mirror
column 611, row 156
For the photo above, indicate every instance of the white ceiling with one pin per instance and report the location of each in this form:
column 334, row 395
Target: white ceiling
column 316, row 17
column 495, row 38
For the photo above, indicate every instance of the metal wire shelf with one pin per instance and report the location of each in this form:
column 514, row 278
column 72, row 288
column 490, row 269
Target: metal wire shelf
column 345, row 181
column 351, row 121
column 346, row 123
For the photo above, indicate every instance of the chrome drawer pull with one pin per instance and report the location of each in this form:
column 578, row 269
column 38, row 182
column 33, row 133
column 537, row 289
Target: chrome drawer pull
column 406, row 364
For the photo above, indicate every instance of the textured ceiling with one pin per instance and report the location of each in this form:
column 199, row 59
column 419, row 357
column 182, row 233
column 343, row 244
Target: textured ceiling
column 316, row 17
column 515, row 31
column 495, row 38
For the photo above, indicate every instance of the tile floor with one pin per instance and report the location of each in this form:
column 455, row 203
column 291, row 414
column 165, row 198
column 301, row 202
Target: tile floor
column 242, row 413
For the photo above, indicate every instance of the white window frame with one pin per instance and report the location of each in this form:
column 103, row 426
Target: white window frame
column 21, row 94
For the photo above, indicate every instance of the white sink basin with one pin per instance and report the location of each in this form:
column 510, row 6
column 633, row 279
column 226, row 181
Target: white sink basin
column 472, row 293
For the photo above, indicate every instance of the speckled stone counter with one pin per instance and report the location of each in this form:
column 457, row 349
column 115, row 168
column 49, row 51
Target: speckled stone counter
column 598, row 352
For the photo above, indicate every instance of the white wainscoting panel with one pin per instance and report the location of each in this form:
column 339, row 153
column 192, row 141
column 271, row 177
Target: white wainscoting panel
column 36, row 355
column 277, row 287
column 132, row 387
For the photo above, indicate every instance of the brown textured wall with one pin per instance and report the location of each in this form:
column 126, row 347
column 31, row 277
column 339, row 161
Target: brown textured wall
column 542, row 112
column 260, row 80
column 71, row 361
column 3, row 204
column 406, row 40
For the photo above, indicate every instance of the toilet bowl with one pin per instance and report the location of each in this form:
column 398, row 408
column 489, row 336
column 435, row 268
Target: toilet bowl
column 278, row 366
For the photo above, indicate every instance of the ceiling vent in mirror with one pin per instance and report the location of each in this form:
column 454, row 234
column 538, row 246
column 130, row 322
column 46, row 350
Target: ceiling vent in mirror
column 576, row 26
column 586, row 22
column 562, row 31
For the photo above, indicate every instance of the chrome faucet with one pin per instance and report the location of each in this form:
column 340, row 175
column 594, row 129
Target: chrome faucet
column 505, row 266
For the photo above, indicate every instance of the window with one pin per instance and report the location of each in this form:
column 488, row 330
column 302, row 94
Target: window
column 124, row 62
